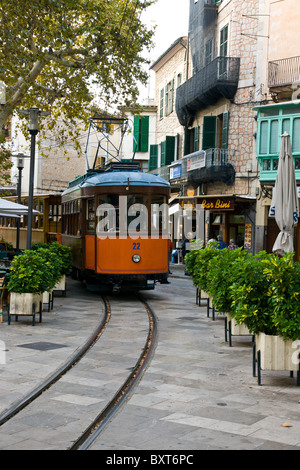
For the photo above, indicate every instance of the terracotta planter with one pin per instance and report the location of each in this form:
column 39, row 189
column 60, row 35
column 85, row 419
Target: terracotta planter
column 26, row 304
column 273, row 353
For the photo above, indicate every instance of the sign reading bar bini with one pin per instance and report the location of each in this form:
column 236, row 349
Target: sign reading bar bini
column 217, row 203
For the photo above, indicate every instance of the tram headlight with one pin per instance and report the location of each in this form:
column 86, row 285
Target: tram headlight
column 136, row 258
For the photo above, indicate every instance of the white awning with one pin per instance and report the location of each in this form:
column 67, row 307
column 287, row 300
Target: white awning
column 9, row 207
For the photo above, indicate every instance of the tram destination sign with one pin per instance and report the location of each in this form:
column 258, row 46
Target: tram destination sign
column 217, row 203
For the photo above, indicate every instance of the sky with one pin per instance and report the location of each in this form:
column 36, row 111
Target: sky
column 171, row 19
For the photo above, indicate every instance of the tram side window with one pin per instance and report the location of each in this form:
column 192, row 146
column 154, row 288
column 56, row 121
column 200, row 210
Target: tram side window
column 90, row 215
column 108, row 213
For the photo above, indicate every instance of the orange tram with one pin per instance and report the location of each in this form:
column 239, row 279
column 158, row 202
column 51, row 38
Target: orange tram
column 116, row 221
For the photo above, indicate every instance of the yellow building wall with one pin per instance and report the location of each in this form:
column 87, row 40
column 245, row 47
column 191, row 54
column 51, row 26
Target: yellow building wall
column 284, row 29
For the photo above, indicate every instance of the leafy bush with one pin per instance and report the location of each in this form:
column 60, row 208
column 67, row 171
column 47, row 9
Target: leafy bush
column 30, row 272
column 64, row 254
column 261, row 291
column 223, row 271
column 198, row 265
column 250, row 296
column 284, row 290
column 53, row 265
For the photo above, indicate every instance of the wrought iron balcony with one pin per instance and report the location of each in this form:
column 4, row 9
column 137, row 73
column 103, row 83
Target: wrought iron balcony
column 284, row 73
column 218, row 79
column 205, row 166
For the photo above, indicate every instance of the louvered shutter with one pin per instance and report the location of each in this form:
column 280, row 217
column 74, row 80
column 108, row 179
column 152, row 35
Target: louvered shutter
column 136, row 133
column 209, row 132
column 152, row 164
column 170, row 150
column 144, row 127
column 225, row 130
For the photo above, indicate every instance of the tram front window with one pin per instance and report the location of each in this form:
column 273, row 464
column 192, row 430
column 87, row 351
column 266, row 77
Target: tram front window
column 159, row 216
column 122, row 215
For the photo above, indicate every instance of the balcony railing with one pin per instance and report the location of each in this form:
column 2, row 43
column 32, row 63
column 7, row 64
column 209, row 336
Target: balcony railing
column 218, row 79
column 284, row 72
column 205, row 166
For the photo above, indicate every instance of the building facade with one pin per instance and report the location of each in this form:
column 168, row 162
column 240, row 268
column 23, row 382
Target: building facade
column 240, row 93
column 278, row 71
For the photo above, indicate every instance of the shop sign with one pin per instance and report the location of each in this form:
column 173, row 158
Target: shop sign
column 196, row 161
column 248, row 236
column 217, row 204
column 175, row 171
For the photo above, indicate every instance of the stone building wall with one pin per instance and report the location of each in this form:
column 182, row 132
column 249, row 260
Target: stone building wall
column 166, row 71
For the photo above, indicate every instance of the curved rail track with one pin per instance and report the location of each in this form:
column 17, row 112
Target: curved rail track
column 90, row 434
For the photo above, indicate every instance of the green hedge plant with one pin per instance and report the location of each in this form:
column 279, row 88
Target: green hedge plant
column 283, row 276
column 197, row 263
column 30, row 272
column 64, row 254
column 223, row 271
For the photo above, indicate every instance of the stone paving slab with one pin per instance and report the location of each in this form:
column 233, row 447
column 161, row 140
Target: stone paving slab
column 197, row 393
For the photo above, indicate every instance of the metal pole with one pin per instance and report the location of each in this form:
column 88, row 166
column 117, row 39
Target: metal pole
column 31, row 183
column 19, row 202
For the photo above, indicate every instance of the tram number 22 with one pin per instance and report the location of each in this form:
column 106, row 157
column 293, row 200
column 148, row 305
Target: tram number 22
column 136, row 246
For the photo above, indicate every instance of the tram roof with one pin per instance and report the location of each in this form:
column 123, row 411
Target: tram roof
column 118, row 178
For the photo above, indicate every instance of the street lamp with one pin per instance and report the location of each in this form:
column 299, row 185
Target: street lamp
column 20, row 166
column 34, row 114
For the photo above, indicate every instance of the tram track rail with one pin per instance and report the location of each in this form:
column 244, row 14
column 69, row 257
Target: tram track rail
column 92, row 432
column 53, row 378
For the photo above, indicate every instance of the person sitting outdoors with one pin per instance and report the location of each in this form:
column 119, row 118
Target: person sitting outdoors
column 232, row 244
column 220, row 243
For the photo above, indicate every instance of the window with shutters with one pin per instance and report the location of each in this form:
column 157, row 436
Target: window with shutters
column 191, row 140
column 152, row 164
column 208, row 52
column 271, row 124
column 224, row 41
column 167, row 155
column 141, row 134
column 209, row 132
column 161, row 104
column 169, row 98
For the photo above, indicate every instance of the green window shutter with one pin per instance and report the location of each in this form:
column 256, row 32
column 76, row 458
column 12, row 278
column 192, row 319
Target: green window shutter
column 136, row 133
column 225, row 130
column 196, row 138
column 170, row 150
column 163, row 154
column 172, row 97
column 152, row 164
column 209, row 132
column 186, row 141
column 161, row 104
column 144, row 127
column 166, row 100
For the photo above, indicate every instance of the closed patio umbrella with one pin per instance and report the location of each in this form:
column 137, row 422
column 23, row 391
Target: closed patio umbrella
column 284, row 204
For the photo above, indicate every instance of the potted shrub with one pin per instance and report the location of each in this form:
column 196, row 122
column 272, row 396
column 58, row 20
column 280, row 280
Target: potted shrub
column 29, row 278
column 199, row 265
column 222, row 273
column 53, row 264
column 266, row 300
column 64, row 255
